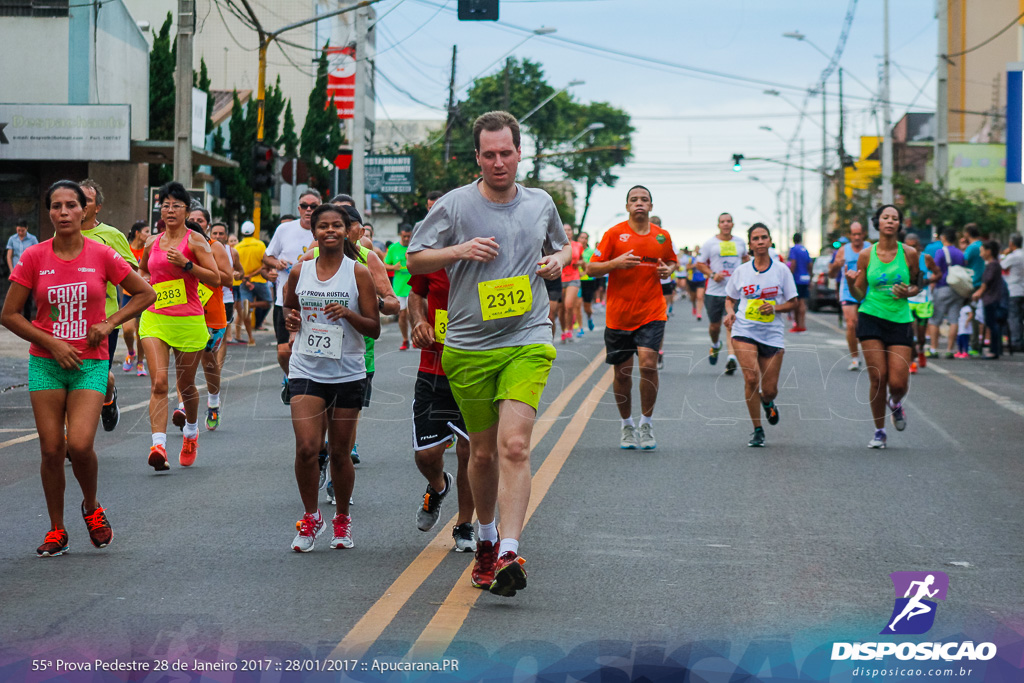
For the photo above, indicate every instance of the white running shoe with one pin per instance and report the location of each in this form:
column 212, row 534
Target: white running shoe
column 342, row 531
column 646, row 437
column 310, row 526
column 629, row 440
column 854, row 365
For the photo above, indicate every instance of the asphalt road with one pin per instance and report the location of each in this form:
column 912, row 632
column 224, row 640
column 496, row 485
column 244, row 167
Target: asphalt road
column 703, row 548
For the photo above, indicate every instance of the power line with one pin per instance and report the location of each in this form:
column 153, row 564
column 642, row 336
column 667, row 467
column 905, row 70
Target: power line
column 406, row 92
column 989, row 39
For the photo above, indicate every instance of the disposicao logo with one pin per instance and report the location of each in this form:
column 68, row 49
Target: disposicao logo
column 916, row 593
column 913, row 613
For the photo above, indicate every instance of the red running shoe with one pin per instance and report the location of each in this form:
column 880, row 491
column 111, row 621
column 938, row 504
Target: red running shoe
column 509, row 575
column 483, row 570
column 404, row 346
column 100, row 532
column 158, row 458
column 189, row 449
column 922, row 360
column 55, row 543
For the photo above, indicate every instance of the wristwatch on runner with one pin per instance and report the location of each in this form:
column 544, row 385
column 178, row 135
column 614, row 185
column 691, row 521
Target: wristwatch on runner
column 188, row 266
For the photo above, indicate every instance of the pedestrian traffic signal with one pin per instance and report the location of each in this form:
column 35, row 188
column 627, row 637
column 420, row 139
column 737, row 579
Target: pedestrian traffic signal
column 262, row 167
column 478, row 10
column 737, row 162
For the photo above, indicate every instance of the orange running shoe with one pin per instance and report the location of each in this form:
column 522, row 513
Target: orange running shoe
column 100, row 532
column 913, row 367
column 189, row 449
column 56, row 543
column 158, row 458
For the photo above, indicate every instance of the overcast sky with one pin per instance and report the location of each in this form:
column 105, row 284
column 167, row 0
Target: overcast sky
column 688, row 124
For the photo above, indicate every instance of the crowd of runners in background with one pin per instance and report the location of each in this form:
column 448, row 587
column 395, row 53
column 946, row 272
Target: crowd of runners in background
column 481, row 286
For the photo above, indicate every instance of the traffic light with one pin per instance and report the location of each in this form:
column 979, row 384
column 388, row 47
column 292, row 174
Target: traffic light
column 478, row 10
column 262, row 167
column 737, row 162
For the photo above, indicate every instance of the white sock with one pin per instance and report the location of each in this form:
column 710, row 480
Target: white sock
column 191, row 429
column 213, row 400
column 644, row 420
column 628, row 422
column 159, row 438
column 718, row 344
column 732, row 356
column 489, row 532
column 508, row 544
column 181, row 406
column 443, row 492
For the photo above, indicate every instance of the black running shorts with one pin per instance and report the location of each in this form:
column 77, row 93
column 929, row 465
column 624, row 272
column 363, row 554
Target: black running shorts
column 344, row 395
column 436, row 418
column 621, row 345
column 886, row 331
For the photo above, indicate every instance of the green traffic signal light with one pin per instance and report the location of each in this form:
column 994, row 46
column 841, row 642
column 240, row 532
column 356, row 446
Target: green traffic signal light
column 737, row 164
column 837, row 244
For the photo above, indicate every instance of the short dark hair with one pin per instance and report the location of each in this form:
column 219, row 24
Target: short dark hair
column 352, row 213
column 640, row 187
column 492, row 122
column 724, row 213
column 972, row 230
column 288, row 217
column 797, row 238
column 64, row 185
column 949, row 234
column 21, row 224
column 878, row 214
column 89, row 182
column 755, row 226
column 174, row 190
column 434, row 195
column 993, row 247
column 404, row 227
column 342, row 198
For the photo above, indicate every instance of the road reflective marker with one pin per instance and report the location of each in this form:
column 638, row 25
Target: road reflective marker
column 452, row 613
column 145, row 404
column 998, row 399
column 372, row 624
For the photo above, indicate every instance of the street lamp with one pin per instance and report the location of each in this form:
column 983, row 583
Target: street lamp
column 549, row 98
column 596, row 125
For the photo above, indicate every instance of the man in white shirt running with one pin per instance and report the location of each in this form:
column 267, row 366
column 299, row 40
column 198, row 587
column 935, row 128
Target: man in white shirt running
column 719, row 257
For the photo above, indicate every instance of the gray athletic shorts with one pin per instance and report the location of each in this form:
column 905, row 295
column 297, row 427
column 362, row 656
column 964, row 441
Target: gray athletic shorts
column 947, row 305
column 715, row 307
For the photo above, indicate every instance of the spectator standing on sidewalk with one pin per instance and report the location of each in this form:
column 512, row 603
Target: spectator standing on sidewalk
column 1012, row 262
column 947, row 302
column 990, row 294
column 976, row 264
column 21, row 240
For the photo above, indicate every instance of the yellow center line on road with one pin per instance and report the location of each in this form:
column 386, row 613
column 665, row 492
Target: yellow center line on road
column 372, row 624
column 452, row 613
column 1000, row 400
column 145, row 404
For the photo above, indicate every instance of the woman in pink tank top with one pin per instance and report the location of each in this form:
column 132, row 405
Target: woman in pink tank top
column 175, row 262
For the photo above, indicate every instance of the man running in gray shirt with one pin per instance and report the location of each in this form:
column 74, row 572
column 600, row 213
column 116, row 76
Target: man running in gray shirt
column 496, row 240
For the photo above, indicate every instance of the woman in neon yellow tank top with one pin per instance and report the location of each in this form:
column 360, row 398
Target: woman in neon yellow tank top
column 887, row 275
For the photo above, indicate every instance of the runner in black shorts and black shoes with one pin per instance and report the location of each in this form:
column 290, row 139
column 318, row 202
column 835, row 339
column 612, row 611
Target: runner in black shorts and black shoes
column 436, row 418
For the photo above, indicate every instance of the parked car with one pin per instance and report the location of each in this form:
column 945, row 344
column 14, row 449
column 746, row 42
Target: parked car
column 824, row 290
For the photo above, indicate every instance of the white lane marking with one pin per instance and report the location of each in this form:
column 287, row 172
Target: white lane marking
column 1001, row 401
column 141, row 404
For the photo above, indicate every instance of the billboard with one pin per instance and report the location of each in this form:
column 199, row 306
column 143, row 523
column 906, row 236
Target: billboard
column 389, row 174
column 341, row 80
column 976, row 166
column 65, row 132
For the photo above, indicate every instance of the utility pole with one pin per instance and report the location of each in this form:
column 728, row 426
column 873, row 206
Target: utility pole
column 183, row 94
column 359, row 114
column 942, row 100
column 451, row 110
column 824, row 166
column 887, row 193
column 841, row 171
column 800, row 220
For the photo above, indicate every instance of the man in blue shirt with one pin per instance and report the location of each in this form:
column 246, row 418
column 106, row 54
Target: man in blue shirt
column 973, row 260
column 945, row 301
column 800, row 264
column 16, row 246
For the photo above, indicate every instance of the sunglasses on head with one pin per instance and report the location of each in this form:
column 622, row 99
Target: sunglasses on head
column 308, row 206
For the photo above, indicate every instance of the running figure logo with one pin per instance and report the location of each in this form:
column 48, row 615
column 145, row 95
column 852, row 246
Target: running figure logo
column 916, row 592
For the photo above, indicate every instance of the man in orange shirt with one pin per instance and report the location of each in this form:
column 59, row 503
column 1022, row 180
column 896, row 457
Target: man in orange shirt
column 636, row 255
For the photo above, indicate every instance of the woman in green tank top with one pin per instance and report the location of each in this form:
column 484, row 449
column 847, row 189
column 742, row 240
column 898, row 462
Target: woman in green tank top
column 886, row 276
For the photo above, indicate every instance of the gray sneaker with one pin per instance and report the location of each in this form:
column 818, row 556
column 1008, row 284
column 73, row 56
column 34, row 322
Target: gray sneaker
column 465, row 538
column 646, row 437
column 629, row 440
column 309, row 528
column 430, row 510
